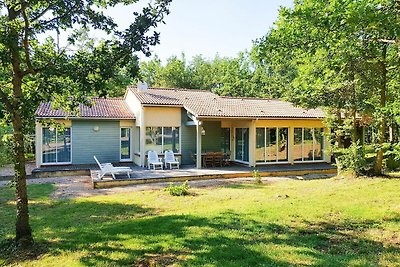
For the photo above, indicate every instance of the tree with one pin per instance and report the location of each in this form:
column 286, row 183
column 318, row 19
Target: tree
column 35, row 69
column 336, row 55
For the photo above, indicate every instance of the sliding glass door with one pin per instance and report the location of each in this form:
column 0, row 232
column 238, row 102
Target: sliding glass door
column 308, row 144
column 126, row 144
column 272, row 145
column 242, row 144
column 56, row 146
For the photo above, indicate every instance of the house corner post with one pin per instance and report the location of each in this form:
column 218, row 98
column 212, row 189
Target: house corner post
column 38, row 143
column 252, row 144
column 198, row 144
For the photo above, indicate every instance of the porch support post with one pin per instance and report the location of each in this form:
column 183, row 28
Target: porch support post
column 291, row 145
column 39, row 143
column 198, row 144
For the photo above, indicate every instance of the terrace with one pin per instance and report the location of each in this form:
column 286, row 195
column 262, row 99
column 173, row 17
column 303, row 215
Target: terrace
column 142, row 175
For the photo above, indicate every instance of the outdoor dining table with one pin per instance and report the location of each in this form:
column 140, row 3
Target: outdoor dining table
column 222, row 160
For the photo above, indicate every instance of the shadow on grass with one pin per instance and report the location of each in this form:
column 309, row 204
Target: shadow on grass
column 114, row 234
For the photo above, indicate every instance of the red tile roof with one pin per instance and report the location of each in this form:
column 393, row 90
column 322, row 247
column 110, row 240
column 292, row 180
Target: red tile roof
column 203, row 103
column 103, row 108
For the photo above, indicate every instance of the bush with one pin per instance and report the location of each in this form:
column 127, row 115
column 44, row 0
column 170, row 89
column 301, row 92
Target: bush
column 392, row 157
column 178, row 190
column 5, row 146
column 257, row 177
column 352, row 159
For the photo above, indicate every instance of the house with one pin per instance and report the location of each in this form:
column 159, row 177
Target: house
column 252, row 131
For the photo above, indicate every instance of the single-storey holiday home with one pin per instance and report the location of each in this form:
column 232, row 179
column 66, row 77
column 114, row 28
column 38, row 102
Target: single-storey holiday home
column 251, row 131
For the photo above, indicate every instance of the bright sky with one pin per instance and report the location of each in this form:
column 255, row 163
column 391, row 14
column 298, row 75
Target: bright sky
column 208, row 27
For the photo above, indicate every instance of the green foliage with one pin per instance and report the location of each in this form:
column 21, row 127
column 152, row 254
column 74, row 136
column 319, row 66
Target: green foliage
column 5, row 148
column 239, row 76
column 352, row 159
column 178, row 190
column 257, row 177
column 341, row 55
column 392, row 157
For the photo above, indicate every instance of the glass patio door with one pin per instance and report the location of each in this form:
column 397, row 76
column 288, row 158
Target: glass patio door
column 126, row 144
column 242, row 144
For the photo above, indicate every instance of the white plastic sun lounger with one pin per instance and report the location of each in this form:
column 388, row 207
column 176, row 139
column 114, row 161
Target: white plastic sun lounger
column 170, row 160
column 153, row 160
column 108, row 168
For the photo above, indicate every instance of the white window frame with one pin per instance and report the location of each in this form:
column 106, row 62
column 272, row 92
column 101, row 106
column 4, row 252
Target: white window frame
column 162, row 137
column 277, row 148
column 41, row 149
column 313, row 144
column 130, row 144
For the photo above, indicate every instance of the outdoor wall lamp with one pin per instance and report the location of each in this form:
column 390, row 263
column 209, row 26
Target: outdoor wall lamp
column 96, row 128
column 203, row 131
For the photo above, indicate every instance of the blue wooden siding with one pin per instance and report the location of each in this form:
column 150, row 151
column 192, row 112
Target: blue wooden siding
column 211, row 142
column 86, row 143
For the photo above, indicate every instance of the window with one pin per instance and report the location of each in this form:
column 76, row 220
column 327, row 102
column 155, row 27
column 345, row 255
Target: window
column 160, row 139
column 56, row 145
column 126, row 146
column 225, row 140
column 308, row 144
column 271, row 144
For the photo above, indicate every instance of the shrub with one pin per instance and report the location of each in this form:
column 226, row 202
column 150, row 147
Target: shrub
column 392, row 157
column 352, row 159
column 257, row 177
column 178, row 190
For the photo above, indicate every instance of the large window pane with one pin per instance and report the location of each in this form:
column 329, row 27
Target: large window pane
column 161, row 139
column 125, row 143
column 318, row 143
column 271, row 144
column 49, row 145
column 154, row 139
column 167, row 135
column 298, row 144
column 283, row 144
column 260, row 144
column 308, row 144
column 64, row 145
column 56, row 145
column 171, row 139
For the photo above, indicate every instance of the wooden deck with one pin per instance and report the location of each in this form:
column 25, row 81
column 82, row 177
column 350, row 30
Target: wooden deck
column 143, row 176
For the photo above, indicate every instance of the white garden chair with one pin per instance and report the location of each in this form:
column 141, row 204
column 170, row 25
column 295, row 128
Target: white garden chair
column 108, row 168
column 153, row 160
column 170, row 159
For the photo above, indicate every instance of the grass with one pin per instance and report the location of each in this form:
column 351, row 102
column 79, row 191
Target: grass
column 321, row 223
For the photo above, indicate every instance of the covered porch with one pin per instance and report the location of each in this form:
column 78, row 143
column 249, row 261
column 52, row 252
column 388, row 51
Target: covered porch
column 260, row 142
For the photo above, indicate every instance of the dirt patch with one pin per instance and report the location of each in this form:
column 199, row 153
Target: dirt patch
column 8, row 170
column 80, row 186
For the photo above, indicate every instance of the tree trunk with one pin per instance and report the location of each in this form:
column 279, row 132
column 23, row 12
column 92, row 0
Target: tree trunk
column 339, row 140
column 378, row 167
column 23, row 235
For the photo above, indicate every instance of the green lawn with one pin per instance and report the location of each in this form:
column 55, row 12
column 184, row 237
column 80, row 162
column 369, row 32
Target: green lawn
column 321, row 223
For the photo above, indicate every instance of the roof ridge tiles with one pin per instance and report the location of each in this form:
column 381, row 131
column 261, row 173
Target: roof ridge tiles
column 173, row 89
